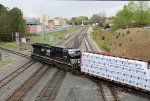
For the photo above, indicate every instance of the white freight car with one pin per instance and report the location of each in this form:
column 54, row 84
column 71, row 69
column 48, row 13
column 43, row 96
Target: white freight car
column 132, row 72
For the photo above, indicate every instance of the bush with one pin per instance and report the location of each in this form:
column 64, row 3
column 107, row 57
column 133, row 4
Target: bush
column 119, row 44
column 117, row 36
column 103, row 38
column 128, row 32
column 105, row 46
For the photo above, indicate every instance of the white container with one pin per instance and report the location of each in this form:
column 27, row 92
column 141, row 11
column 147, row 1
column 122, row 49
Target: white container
column 101, row 65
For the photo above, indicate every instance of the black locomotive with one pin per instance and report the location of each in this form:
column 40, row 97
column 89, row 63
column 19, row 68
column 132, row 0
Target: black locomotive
column 51, row 54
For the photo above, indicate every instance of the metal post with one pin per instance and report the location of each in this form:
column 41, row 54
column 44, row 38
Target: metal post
column 42, row 23
column 19, row 39
column 12, row 37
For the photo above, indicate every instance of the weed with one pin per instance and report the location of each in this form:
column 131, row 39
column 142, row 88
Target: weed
column 105, row 45
column 128, row 32
column 117, row 36
column 119, row 44
column 103, row 38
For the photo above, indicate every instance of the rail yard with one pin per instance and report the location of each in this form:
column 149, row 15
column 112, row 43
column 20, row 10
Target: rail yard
column 29, row 80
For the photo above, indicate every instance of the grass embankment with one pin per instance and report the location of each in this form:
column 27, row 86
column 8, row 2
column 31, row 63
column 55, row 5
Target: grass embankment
column 38, row 39
column 131, row 42
column 58, row 36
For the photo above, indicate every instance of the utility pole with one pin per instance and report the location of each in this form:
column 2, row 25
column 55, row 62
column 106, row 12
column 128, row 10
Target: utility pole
column 42, row 23
column 12, row 37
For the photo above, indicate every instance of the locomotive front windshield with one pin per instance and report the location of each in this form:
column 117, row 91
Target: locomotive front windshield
column 74, row 53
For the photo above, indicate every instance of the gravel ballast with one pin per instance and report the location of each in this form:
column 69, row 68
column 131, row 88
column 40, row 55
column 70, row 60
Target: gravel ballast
column 36, row 90
column 76, row 88
column 9, row 88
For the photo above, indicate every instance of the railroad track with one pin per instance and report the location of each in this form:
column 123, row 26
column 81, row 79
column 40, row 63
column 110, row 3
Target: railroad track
column 73, row 40
column 50, row 91
column 51, row 88
column 15, row 52
column 78, row 39
column 71, row 35
column 20, row 92
column 15, row 73
column 114, row 93
column 108, row 94
column 87, row 45
column 107, row 91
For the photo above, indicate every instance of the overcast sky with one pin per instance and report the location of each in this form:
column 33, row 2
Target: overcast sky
column 66, row 9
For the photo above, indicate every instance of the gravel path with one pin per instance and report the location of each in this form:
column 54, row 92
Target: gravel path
column 92, row 41
column 9, row 88
column 34, row 93
column 76, row 88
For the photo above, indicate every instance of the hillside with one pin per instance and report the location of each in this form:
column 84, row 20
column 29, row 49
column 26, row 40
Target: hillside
column 133, row 42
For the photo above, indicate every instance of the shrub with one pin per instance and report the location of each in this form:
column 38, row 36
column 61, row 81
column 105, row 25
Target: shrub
column 131, row 40
column 105, row 45
column 119, row 44
column 128, row 32
column 117, row 36
column 103, row 38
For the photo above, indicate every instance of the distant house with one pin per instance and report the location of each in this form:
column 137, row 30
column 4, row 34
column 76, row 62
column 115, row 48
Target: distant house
column 62, row 22
column 108, row 21
column 56, row 22
column 50, row 24
column 59, row 22
column 33, row 25
column 104, row 21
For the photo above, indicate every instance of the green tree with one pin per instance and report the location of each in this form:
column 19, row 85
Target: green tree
column 17, row 21
column 4, row 24
column 78, row 20
column 142, row 12
column 135, row 13
column 95, row 18
column 11, row 21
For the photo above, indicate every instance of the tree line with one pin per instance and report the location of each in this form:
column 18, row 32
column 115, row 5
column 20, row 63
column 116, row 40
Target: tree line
column 78, row 20
column 95, row 18
column 11, row 21
column 133, row 14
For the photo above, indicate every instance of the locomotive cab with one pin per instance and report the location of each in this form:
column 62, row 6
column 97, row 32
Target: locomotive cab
column 74, row 55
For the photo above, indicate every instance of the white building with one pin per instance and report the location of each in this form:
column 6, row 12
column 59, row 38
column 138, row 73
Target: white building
column 56, row 22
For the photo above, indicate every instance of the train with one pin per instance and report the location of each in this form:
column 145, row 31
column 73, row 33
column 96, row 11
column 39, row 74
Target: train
column 56, row 55
column 128, row 72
